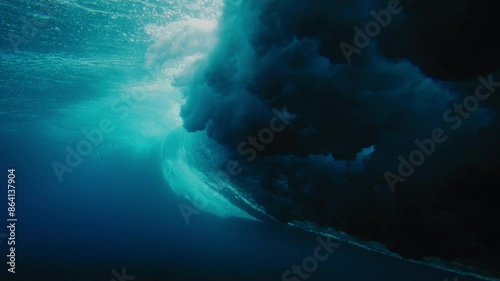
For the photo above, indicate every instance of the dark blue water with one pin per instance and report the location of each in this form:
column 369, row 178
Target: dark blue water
column 123, row 214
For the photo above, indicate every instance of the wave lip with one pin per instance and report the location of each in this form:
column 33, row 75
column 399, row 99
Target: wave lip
column 186, row 167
